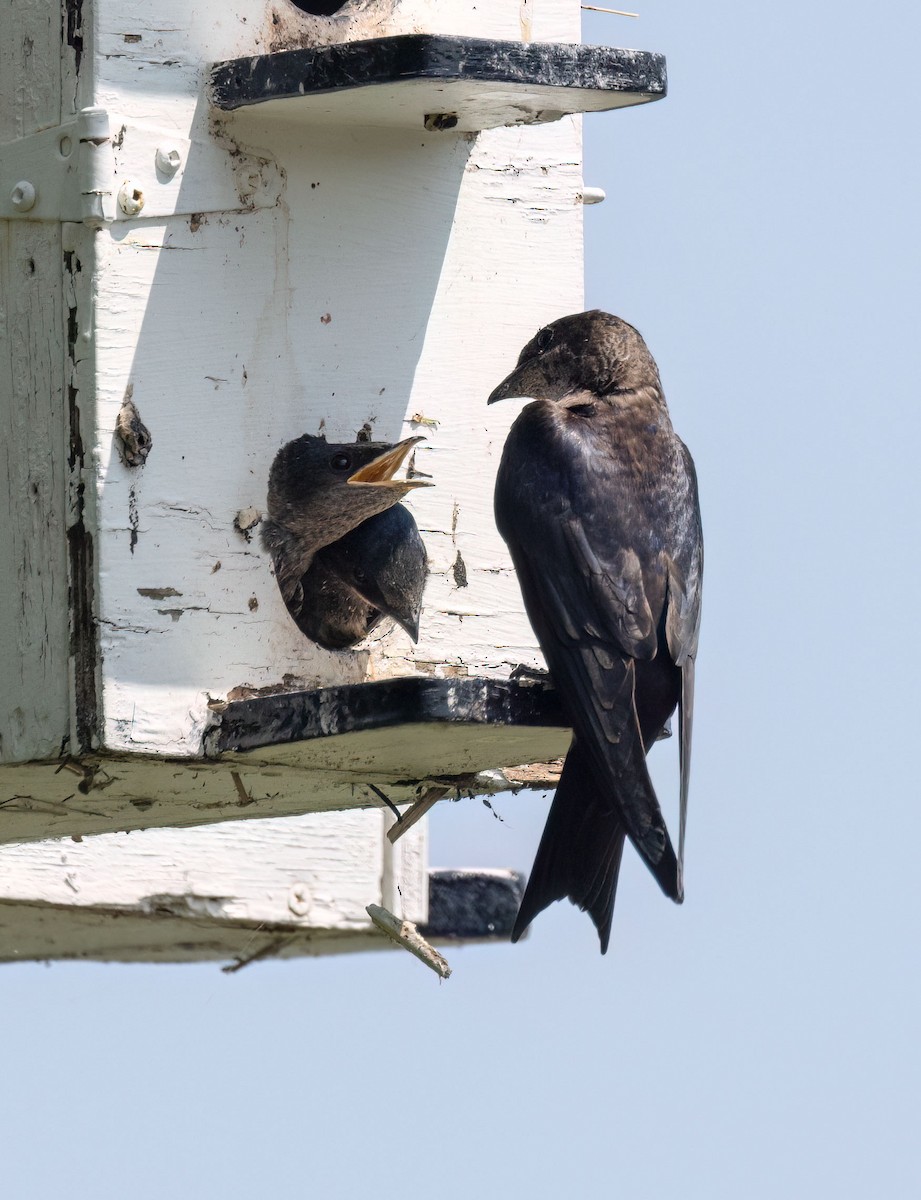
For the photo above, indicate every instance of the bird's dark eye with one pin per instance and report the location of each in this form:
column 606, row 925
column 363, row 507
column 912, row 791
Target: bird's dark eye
column 544, row 338
column 340, row 462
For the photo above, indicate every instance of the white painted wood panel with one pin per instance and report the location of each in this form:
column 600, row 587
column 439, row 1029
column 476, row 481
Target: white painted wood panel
column 164, row 894
column 395, row 276
column 34, row 635
column 288, row 278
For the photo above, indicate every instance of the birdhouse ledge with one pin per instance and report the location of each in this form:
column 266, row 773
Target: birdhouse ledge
column 439, row 82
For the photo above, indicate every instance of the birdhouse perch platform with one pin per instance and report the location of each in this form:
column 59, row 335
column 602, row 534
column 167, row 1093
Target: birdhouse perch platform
column 439, row 82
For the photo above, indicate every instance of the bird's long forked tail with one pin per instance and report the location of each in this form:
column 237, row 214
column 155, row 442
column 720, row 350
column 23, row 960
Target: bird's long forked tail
column 579, row 853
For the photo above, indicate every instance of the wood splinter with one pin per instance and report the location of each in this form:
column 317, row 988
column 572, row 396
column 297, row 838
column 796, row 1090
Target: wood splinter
column 409, row 818
column 615, row 12
column 409, row 938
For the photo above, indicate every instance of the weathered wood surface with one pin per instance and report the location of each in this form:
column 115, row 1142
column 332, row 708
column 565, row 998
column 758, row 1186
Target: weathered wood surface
column 34, row 640
column 278, row 889
column 389, row 287
column 284, row 887
column 104, row 794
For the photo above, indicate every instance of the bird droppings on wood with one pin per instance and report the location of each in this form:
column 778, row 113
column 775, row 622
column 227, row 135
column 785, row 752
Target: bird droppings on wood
column 459, row 571
column 419, row 418
column 439, row 121
column 134, row 438
column 246, row 521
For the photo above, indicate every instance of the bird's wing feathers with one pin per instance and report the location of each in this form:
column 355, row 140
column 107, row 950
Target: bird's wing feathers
column 585, row 595
column 682, row 629
column 598, row 684
column 615, row 583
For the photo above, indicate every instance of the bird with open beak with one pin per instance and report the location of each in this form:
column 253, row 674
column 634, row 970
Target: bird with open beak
column 344, row 556
column 596, row 497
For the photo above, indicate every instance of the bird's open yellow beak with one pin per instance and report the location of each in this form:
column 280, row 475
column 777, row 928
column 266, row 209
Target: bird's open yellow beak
column 379, row 471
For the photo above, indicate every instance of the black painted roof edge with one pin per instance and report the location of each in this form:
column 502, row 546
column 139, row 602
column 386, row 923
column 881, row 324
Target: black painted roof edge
column 467, row 905
column 325, row 712
column 344, row 65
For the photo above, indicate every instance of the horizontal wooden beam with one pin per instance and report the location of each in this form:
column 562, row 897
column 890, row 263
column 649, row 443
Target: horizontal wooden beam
column 332, row 749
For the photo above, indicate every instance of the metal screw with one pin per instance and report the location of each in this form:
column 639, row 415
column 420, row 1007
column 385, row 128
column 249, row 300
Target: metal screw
column 23, row 196
column 593, row 195
column 130, row 199
column 168, row 159
column 300, row 899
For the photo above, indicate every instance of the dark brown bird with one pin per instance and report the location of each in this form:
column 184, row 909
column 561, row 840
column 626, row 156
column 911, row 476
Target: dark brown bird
column 596, row 497
column 378, row 570
column 321, row 493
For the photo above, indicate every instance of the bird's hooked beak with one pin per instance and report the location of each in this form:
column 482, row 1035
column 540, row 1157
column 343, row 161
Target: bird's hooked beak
column 411, row 625
column 526, row 380
column 379, row 472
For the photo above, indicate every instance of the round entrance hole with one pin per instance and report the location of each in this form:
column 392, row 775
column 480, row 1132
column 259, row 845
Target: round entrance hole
column 319, row 8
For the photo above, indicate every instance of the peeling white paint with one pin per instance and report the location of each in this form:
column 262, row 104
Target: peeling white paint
column 398, row 274
column 284, row 278
column 312, row 875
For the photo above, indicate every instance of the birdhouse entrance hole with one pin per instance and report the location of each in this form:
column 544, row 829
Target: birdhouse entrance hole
column 320, row 8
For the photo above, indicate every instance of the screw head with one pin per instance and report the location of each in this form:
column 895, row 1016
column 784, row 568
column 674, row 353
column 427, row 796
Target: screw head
column 130, row 199
column 300, row 899
column 23, row 196
column 168, row 159
column 593, row 195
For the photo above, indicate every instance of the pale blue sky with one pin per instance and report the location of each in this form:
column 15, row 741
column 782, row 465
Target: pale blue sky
column 761, row 229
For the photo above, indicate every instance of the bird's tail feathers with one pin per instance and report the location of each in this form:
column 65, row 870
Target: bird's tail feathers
column 579, row 853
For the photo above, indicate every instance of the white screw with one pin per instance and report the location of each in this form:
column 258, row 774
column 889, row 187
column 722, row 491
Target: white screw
column 23, row 196
column 300, row 899
column 130, row 199
column 592, row 195
column 168, row 159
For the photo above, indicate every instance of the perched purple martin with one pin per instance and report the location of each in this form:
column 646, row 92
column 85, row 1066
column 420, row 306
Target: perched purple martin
column 596, row 497
column 322, row 495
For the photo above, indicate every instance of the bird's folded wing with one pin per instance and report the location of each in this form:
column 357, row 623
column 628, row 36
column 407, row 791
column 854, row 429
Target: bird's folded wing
column 682, row 629
column 598, row 683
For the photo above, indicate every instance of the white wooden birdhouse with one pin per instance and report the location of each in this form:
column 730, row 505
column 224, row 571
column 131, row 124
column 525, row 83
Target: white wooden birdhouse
column 225, row 226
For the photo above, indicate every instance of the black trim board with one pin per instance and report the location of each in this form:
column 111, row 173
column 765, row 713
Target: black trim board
column 560, row 69
column 472, row 905
column 325, row 712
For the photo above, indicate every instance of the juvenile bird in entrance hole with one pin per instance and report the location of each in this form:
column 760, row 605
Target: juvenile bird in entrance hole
column 378, row 570
column 596, row 497
column 345, row 552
